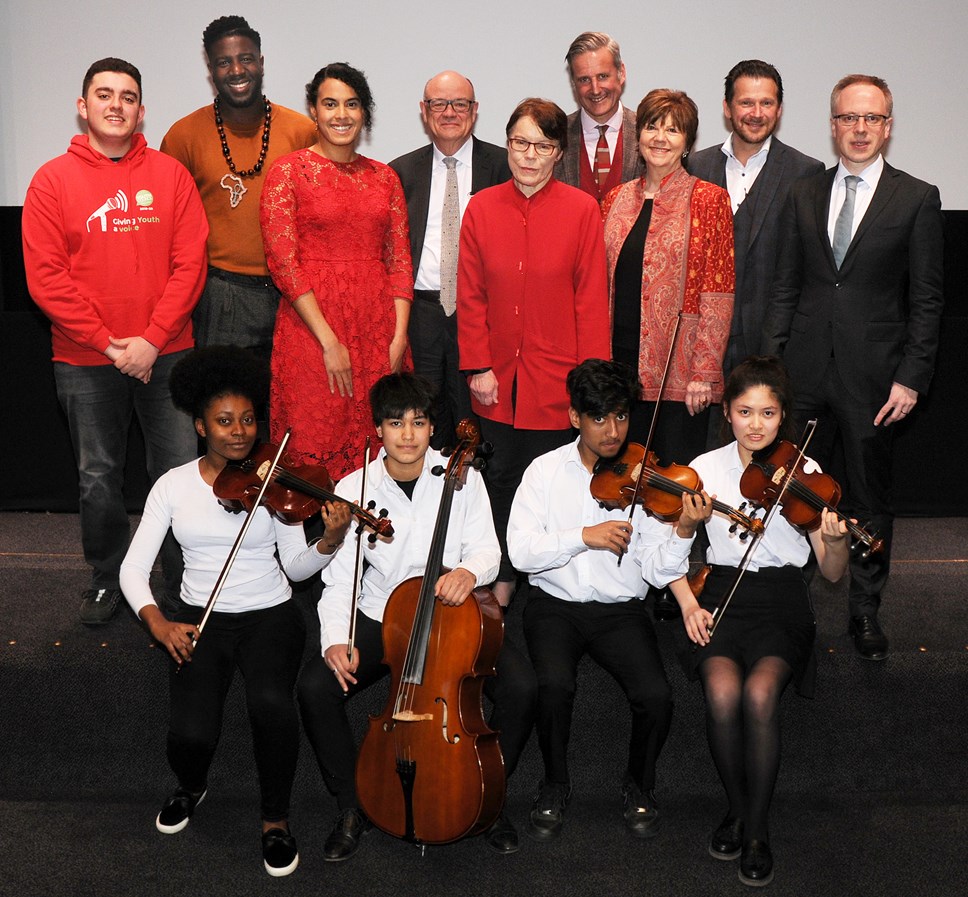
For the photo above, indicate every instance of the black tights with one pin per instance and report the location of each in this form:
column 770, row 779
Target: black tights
column 743, row 728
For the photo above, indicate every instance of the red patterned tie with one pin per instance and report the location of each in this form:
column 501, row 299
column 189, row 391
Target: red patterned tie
column 603, row 159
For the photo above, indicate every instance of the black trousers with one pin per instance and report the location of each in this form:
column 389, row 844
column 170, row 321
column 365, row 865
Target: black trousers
column 513, row 692
column 433, row 344
column 266, row 646
column 859, row 455
column 621, row 639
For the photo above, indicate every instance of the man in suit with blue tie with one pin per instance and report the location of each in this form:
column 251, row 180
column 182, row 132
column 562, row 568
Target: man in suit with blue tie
column 449, row 112
column 855, row 310
column 757, row 169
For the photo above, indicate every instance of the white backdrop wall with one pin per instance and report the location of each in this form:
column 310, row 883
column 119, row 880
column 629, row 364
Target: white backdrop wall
column 510, row 50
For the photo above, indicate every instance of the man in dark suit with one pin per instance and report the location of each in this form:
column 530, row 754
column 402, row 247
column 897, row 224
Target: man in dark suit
column 855, row 310
column 757, row 169
column 449, row 112
column 603, row 145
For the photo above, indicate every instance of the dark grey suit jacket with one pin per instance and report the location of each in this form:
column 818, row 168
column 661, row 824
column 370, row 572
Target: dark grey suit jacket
column 567, row 170
column 489, row 166
column 755, row 236
column 879, row 314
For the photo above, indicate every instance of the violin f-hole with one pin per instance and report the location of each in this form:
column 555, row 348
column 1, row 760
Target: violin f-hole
column 444, row 721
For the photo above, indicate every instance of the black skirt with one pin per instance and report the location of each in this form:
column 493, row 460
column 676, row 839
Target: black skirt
column 770, row 615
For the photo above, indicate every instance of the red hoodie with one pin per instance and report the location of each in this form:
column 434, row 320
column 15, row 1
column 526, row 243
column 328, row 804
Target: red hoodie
column 114, row 249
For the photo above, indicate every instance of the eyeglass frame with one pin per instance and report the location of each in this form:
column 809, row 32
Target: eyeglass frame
column 429, row 103
column 871, row 119
column 530, row 143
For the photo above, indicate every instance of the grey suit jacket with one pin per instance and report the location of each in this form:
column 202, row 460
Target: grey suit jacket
column 567, row 170
column 878, row 314
column 755, row 236
column 489, row 166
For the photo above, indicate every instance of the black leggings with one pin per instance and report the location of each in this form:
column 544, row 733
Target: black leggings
column 266, row 646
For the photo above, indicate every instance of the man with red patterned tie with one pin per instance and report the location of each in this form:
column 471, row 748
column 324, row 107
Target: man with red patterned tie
column 603, row 147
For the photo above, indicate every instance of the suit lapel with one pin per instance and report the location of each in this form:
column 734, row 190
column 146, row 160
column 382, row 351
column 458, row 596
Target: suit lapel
column 421, row 202
column 880, row 201
column 821, row 206
column 480, row 169
column 765, row 187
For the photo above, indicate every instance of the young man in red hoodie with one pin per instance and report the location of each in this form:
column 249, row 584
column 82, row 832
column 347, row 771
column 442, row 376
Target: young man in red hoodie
column 114, row 247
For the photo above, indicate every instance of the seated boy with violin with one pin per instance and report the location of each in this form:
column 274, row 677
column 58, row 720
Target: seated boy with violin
column 402, row 480
column 584, row 566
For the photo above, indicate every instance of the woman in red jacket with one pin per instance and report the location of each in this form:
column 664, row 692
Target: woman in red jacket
column 531, row 304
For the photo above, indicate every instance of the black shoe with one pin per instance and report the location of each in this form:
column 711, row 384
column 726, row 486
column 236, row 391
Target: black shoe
column 502, row 837
column 756, row 864
column 279, row 852
column 548, row 811
column 726, row 843
column 665, row 609
column 177, row 811
column 344, row 839
column 640, row 812
column 99, row 605
column 869, row 638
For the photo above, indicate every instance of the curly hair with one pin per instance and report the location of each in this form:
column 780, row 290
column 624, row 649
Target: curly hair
column 602, row 387
column 353, row 79
column 206, row 374
column 229, row 26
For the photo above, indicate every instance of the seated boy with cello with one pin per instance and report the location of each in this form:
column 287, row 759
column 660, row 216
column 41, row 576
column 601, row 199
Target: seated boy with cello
column 586, row 598
column 401, row 480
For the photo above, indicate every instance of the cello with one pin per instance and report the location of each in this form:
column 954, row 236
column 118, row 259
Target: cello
column 429, row 769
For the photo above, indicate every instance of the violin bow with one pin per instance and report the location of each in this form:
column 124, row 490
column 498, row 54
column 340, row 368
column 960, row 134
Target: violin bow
column 655, row 416
column 357, row 575
column 230, row 560
column 747, row 557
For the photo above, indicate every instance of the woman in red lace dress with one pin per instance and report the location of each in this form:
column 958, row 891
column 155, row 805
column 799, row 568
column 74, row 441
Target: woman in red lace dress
column 334, row 224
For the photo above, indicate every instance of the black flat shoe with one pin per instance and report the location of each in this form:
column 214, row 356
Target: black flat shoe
column 869, row 638
column 726, row 843
column 344, row 839
column 756, row 864
column 502, row 837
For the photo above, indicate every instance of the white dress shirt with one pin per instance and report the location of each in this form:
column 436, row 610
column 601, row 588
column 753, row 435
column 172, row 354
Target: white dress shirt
column 428, row 271
column 590, row 133
column 781, row 545
column 869, row 179
column 739, row 177
column 552, row 506
column 471, row 542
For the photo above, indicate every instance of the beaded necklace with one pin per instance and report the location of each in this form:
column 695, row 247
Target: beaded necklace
column 255, row 169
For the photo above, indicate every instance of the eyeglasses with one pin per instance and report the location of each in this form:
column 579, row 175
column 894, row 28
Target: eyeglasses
column 520, row 145
column 849, row 119
column 461, row 107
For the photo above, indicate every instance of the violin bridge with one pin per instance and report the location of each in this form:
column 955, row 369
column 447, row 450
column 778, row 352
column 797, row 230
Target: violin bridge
column 408, row 716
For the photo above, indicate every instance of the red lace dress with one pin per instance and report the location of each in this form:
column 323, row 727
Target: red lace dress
column 340, row 231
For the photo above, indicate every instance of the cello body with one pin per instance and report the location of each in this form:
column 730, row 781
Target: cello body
column 429, row 769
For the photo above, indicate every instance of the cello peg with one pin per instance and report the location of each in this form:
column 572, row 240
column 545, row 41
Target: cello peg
column 438, row 470
column 383, row 513
column 371, row 538
column 370, row 505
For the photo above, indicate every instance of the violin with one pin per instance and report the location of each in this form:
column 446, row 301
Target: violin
column 429, row 769
column 805, row 496
column 295, row 493
column 621, row 481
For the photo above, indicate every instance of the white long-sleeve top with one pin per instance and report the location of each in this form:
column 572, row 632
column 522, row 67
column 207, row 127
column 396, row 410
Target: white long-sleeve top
column 206, row 532
column 552, row 506
column 781, row 545
column 471, row 542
